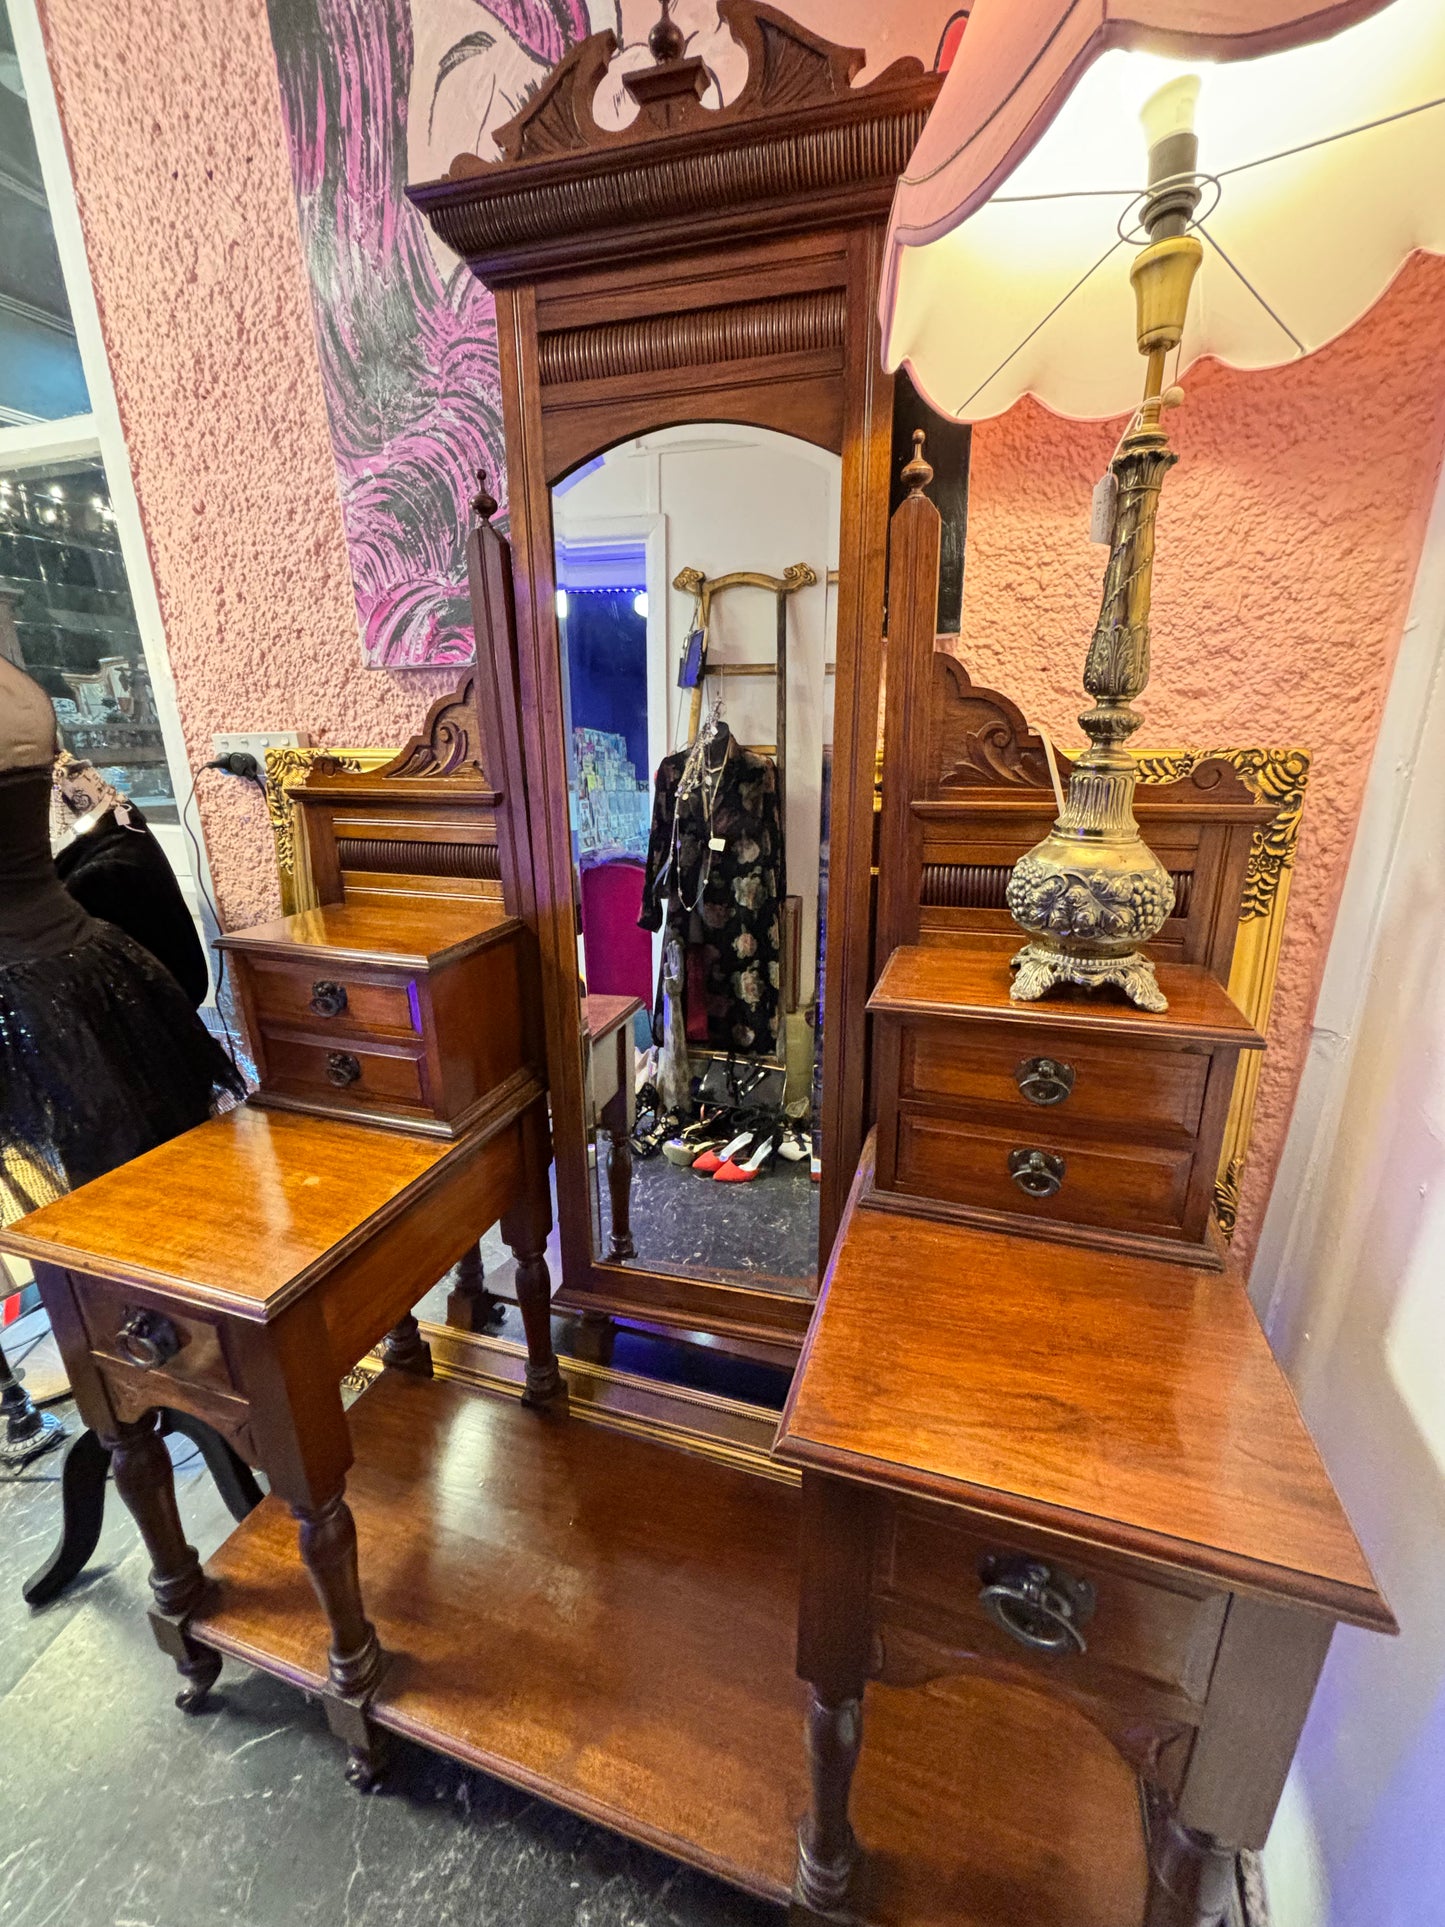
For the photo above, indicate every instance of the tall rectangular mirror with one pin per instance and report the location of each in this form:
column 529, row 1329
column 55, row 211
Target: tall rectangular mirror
column 696, row 574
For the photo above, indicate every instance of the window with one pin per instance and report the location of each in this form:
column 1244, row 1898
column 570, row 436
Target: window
column 78, row 608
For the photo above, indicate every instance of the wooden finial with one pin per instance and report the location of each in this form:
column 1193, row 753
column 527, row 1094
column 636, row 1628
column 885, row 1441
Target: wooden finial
column 666, row 41
column 484, row 502
column 916, row 471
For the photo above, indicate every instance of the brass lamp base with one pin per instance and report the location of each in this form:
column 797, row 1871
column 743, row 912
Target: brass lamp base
column 1041, row 969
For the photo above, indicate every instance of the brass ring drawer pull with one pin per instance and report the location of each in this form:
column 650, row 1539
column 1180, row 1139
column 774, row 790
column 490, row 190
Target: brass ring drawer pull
column 148, row 1339
column 1037, row 1605
column 328, row 999
column 1044, row 1080
column 342, row 1068
column 1039, row 1173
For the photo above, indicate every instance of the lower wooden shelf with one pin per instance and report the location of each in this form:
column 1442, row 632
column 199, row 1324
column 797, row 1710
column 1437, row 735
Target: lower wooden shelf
column 609, row 1622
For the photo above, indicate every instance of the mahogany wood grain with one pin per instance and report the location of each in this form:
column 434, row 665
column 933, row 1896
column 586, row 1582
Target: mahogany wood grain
column 928, row 1581
column 925, row 980
column 389, row 1034
column 1133, row 1142
column 249, row 1210
column 404, row 931
column 554, row 1615
column 1126, row 1403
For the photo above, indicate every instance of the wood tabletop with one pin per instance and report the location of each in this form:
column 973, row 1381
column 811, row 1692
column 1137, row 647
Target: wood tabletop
column 607, row 1013
column 403, row 930
column 1130, row 1403
column 944, row 980
column 239, row 1213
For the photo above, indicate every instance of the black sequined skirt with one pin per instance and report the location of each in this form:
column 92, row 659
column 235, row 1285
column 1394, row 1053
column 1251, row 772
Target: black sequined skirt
column 101, row 1058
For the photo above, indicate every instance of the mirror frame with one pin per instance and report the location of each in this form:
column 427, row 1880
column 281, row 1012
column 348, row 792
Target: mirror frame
column 642, row 281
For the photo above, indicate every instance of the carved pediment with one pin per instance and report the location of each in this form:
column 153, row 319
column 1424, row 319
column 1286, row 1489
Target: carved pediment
column 979, row 739
column 800, row 143
column 449, row 742
column 789, row 69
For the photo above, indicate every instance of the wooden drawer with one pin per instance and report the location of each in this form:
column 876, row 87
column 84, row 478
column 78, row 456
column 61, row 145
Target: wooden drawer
column 163, row 1345
column 1143, row 1092
column 931, row 1577
column 966, row 1161
column 345, row 1072
column 338, row 1000
column 416, row 1015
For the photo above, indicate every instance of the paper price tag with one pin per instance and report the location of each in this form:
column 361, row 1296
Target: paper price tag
column 717, row 843
column 1101, row 516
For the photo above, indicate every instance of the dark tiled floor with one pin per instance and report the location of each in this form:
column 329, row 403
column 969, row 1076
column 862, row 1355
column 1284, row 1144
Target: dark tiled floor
column 120, row 1812
column 685, row 1223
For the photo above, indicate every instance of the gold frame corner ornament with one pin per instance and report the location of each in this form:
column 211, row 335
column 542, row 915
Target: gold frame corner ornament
column 286, row 769
column 1278, row 777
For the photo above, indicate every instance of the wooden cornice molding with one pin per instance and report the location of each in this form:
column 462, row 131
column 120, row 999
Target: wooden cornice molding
column 800, row 146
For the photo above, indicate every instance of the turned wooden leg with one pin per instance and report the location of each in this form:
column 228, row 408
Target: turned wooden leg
column 470, row 1306
column 545, row 1384
column 406, row 1349
column 619, row 1191
column 839, row 1523
column 1191, row 1875
column 525, row 1227
column 328, row 1552
column 146, row 1483
column 827, row 1849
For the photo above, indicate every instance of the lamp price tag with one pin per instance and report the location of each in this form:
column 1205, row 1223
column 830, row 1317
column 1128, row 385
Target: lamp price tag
column 717, row 843
column 1106, row 500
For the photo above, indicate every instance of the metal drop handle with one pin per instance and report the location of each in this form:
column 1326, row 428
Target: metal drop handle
column 148, row 1339
column 1044, row 1080
column 1039, row 1173
column 328, row 999
column 342, row 1068
column 1040, row 1607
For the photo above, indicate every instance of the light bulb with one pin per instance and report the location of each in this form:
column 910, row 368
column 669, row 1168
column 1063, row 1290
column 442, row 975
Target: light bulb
column 561, row 602
column 639, row 602
column 1171, row 110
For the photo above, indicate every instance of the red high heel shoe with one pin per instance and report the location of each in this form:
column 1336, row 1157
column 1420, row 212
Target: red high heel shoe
column 711, row 1162
column 762, row 1157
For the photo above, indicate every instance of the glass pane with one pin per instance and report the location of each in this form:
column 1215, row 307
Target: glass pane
column 40, row 373
column 66, row 616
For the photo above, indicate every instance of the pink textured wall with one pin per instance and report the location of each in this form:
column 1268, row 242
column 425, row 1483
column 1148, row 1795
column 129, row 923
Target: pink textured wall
column 173, row 119
column 1288, row 542
column 1289, row 534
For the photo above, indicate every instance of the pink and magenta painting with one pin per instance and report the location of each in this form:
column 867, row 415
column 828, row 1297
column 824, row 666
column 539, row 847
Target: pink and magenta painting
column 376, row 93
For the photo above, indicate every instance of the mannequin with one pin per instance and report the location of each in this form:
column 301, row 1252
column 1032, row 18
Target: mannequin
column 102, row 1055
column 112, row 865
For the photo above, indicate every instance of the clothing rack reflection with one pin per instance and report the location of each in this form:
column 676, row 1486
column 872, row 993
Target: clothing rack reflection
column 800, row 575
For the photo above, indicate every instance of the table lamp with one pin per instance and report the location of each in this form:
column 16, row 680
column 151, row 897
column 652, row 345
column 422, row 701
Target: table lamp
column 1291, row 157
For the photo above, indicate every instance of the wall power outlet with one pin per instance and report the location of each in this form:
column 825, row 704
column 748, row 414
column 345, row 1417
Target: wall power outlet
column 255, row 742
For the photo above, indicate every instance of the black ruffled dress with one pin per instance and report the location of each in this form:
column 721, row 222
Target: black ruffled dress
column 102, row 1056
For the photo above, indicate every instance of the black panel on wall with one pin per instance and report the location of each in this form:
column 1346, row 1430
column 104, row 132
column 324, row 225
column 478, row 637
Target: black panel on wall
column 947, row 449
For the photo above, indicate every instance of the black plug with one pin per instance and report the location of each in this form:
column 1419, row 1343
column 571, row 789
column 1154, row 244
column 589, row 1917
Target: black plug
column 240, row 763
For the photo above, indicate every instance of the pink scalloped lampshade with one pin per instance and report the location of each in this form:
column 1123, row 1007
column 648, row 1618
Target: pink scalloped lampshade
column 1029, row 169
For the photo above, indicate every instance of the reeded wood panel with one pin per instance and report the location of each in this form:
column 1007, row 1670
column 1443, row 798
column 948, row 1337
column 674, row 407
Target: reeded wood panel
column 790, row 324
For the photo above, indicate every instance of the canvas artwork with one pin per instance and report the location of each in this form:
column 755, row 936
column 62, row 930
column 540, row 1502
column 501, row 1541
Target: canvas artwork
column 376, row 93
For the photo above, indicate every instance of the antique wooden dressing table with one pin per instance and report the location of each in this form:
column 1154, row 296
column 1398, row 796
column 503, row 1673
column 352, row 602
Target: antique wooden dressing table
column 1045, row 1499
